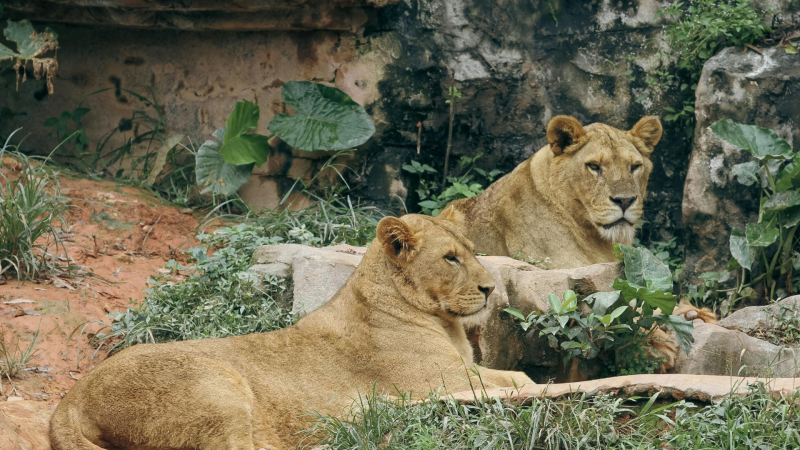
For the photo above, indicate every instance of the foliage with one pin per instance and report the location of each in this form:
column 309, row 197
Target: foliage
column 216, row 295
column 30, row 205
column 754, row 421
column 326, row 119
column 31, row 46
column 13, row 358
column 463, row 186
column 617, row 328
column 219, row 297
column 785, row 330
column 701, row 27
column 766, row 250
column 68, row 130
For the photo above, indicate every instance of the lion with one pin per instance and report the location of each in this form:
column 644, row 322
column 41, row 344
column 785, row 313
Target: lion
column 395, row 325
column 569, row 203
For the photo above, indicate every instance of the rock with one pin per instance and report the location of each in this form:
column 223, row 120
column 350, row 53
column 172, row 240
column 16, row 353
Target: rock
column 747, row 88
column 759, row 317
column 24, row 425
column 317, row 278
column 719, row 351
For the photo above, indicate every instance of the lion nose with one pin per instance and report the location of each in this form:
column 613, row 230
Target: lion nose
column 487, row 290
column 623, row 202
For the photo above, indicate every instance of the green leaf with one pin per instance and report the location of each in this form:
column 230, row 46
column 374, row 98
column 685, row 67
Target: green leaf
column 618, row 312
column 761, row 235
column 683, row 330
column 788, row 176
column 78, row 114
column 741, row 250
column 746, row 173
column 782, row 200
column 430, row 204
column 211, row 170
column 326, row 119
column 243, row 119
column 789, row 217
column 653, row 299
column 760, row 142
column 790, row 49
column 555, row 303
column 562, row 320
column 161, row 156
column 643, row 269
column 51, row 122
column 601, row 301
column 30, row 44
column 515, row 312
column 246, row 149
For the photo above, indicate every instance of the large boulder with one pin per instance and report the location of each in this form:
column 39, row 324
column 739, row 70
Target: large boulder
column 749, row 88
column 318, row 273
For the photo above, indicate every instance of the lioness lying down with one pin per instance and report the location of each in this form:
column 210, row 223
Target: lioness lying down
column 395, row 323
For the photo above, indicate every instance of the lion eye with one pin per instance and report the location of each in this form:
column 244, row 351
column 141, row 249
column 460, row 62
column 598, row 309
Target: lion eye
column 593, row 167
column 452, row 259
column 635, row 167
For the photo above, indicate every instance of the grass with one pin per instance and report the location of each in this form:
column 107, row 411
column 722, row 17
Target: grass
column 29, row 205
column 756, row 421
column 216, row 295
column 13, row 358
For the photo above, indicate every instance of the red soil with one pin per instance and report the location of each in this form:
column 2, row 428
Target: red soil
column 107, row 236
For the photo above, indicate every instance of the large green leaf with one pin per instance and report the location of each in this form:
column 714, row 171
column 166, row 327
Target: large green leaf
column 643, row 269
column 761, row 142
column 240, row 148
column 30, row 44
column 788, row 177
column 326, row 119
column 652, row 299
column 243, row 119
column 782, row 200
column 746, row 173
column 220, row 177
column 246, row 149
column 601, row 301
column 741, row 250
column 761, row 235
column 789, row 217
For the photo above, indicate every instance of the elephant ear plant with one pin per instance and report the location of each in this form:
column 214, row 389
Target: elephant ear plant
column 766, row 251
column 327, row 119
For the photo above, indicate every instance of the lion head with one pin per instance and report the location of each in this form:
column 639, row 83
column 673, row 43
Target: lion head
column 603, row 171
column 434, row 266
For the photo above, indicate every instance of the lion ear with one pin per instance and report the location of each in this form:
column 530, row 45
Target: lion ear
column 397, row 238
column 563, row 131
column 649, row 130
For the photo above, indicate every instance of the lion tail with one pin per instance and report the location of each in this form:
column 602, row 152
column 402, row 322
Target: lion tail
column 65, row 430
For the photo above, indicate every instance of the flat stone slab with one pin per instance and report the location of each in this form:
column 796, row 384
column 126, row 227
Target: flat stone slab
column 705, row 388
column 24, row 425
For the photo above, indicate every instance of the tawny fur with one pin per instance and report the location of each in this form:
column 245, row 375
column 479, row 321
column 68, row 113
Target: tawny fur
column 554, row 205
column 395, row 323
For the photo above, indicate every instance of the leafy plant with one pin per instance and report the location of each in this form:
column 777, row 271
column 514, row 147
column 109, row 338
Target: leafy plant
column 31, row 46
column 68, row 129
column 30, row 206
column 617, row 327
column 701, row 27
column 765, row 251
column 463, row 186
column 13, row 358
column 326, row 119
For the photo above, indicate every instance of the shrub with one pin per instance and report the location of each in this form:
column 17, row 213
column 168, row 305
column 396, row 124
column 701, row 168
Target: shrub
column 30, row 203
column 613, row 332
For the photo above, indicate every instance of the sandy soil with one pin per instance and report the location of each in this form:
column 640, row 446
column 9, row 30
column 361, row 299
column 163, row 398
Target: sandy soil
column 117, row 236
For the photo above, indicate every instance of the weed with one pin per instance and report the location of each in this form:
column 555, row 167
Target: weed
column 31, row 204
column 463, row 186
column 13, row 358
column 754, row 421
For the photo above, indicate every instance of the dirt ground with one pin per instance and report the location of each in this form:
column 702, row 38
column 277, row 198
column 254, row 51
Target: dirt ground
column 117, row 236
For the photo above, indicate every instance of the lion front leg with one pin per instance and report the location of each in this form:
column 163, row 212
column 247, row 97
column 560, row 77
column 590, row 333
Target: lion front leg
column 492, row 378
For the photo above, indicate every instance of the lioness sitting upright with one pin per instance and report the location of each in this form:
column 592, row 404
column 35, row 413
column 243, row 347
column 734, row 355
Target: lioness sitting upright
column 570, row 201
column 395, row 323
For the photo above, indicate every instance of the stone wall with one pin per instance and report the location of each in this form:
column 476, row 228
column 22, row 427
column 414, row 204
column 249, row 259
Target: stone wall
column 517, row 62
